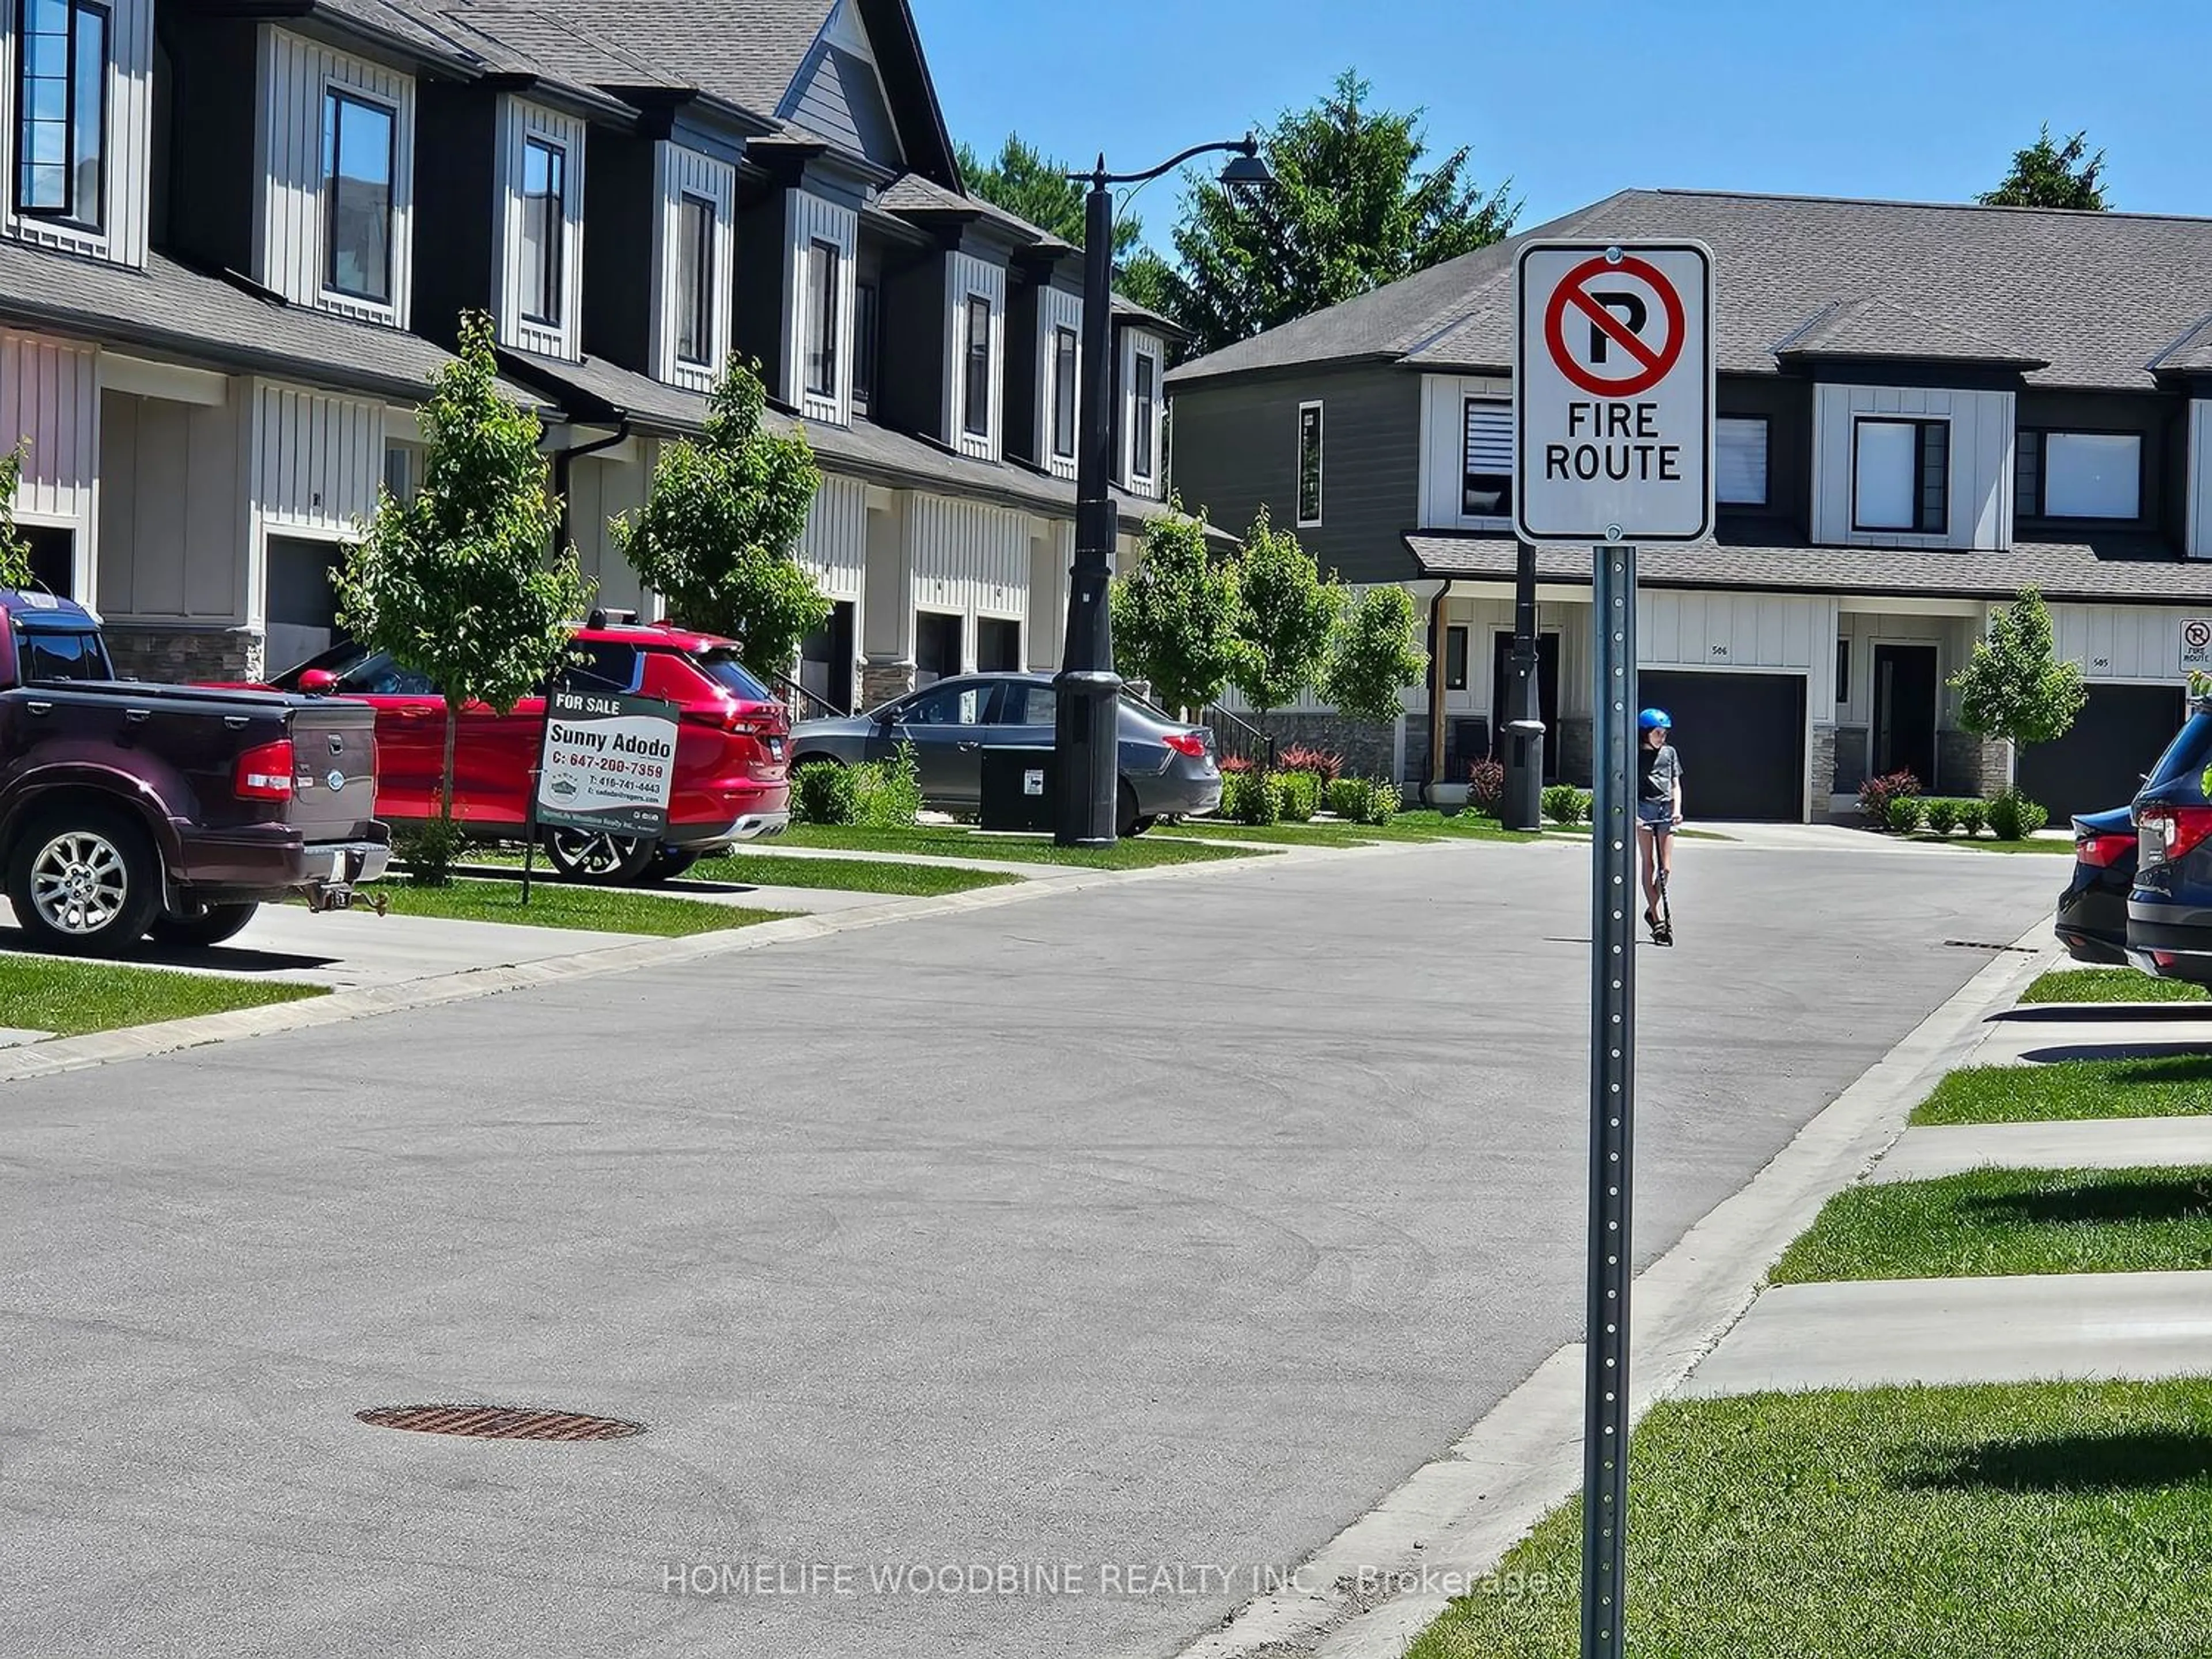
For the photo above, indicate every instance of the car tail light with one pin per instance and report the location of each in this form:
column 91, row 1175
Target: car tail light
column 1186, row 743
column 265, row 773
column 2103, row 851
column 2167, row 833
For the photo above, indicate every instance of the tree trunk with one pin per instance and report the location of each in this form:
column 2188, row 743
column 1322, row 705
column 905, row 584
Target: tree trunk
column 446, row 773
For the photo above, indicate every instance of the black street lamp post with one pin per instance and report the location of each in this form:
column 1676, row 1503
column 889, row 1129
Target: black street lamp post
column 1086, row 741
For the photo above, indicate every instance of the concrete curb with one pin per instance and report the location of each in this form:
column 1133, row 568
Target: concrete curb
column 1375, row 1586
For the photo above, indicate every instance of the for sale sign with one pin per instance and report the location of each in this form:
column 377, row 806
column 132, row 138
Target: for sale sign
column 1612, row 382
column 607, row 763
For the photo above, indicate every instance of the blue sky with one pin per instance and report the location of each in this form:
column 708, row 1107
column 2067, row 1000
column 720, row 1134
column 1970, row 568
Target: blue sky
column 1919, row 99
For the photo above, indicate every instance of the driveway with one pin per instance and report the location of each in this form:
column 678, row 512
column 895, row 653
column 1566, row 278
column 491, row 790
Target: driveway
column 1171, row 1223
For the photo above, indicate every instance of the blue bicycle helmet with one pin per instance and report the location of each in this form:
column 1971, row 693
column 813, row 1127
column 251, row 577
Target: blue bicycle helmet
column 1655, row 720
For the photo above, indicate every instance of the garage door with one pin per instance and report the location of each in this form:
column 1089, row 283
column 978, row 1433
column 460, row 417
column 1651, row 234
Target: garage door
column 1741, row 738
column 2100, row 763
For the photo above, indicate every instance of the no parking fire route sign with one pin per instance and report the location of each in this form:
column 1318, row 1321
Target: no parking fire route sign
column 1613, row 379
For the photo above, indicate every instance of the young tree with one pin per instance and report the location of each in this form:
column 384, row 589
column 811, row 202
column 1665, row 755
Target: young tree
column 455, row 583
column 14, row 550
column 2049, row 175
column 1373, row 657
column 1349, row 210
column 1175, row 618
column 1285, row 620
column 2014, row 687
column 717, row 534
column 1035, row 186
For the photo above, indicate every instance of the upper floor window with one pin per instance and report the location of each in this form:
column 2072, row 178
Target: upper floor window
column 1739, row 460
column 864, row 344
column 1486, row 486
column 976, row 398
column 2078, row 475
column 1065, row 356
column 61, row 105
column 1901, row 475
column 544, row 215
column 695, row 280
column 1310, row 433
column 822, row 318
column 1148, row 371
column 357, row 167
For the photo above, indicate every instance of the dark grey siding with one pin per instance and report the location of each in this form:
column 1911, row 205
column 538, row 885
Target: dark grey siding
column 1236, row 450
column 454, row 198
column 208, row 139
column 763, row 228
column 838, row 98
column 1787, row 406
column 910, row 364
column 620, row 221
column 2160, row 420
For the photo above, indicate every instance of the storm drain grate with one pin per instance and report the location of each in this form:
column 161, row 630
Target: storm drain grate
column 1981, row 945
column 500, row 1423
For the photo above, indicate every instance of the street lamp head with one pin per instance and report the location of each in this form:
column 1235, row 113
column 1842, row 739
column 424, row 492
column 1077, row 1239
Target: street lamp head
column 1247, row 169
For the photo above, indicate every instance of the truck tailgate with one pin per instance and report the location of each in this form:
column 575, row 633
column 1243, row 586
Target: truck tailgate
column 333, row 769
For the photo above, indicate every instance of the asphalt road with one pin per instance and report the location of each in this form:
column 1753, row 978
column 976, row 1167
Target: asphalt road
column 1172, row 1223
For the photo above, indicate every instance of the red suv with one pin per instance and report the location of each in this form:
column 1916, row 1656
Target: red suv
column 731, row 782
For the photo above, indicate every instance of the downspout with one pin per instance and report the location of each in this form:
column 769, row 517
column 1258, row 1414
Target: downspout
column 1437, row 685
column 564, row 459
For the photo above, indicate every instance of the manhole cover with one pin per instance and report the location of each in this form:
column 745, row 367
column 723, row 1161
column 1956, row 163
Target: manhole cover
column 500, row 1423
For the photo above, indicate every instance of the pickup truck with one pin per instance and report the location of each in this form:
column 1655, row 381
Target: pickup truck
column 128, row 809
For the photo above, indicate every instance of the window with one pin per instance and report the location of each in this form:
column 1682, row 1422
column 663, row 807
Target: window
column 1487, row 490
column 544, row 216
column 1456, row 659
column 1065, row 356
column 975, row 395
column 2078, row 475
column 864, row 344
column 399, row 471
column 821, row 319
column 695, row 280
column 1901, row 475
column 61, row 104
column 956, row 705
column 1029, row 705
column 1141, row 464
column 357, row 167
column 1739, row 460
column 1310, row 457
column 45, row 655
column 1843, row 671
column 611, row 663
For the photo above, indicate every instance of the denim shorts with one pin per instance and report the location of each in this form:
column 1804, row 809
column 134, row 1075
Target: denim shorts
column 1657, row 816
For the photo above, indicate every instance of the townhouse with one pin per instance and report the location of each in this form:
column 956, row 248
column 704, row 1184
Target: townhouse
column 1921, row 408
column 237, row 240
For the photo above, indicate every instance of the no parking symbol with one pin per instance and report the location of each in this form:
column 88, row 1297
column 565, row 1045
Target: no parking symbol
column 2196, row 642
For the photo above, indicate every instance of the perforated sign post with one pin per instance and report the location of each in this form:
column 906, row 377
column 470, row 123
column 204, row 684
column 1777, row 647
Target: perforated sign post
column 1613, row 381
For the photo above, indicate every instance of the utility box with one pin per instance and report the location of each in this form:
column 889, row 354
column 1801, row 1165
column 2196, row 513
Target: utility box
column 1018, row 787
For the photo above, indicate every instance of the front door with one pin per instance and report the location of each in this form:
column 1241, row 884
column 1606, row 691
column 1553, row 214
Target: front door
column 1904, row 692
column 1547, row 696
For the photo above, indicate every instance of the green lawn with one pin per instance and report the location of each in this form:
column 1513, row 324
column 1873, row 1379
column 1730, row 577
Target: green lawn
column 1988, row 844
column 940, row 840
column 851, row 875
column 1317, row 833
column 2037, row 1521
column 2151, row 1086
column 2110, row 985
column 599, row 910
column 42, row 993
column 2009, row 1221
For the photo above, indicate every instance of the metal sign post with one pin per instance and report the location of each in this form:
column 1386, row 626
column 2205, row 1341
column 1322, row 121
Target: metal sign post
column 1612, row 392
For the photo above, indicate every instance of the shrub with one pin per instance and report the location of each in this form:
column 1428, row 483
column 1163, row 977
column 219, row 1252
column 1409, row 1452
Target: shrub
column 1585, row 806
column 1563, row 803
column 1486, row 786
column 1347, row 797
column 1252, row 797
column 823, row 791
column 1381, row 803
column 1942, row 815
column 1973, row 816
column 888, row 791
column 1907, row 813
column 429, row 851
column 2014, row 817
column 1301, row 793
column 1233, row 764
column 1324, row 766
column 1876, row 793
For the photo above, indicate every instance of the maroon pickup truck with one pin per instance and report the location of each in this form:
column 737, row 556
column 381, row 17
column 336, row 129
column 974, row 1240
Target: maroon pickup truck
column 128, row 809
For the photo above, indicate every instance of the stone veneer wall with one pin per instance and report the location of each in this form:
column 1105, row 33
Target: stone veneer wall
column 1821, row 767
column 881, row 682
column 1369, row 747
column 1968, row 765
column 176, row 655
column 1847, row 746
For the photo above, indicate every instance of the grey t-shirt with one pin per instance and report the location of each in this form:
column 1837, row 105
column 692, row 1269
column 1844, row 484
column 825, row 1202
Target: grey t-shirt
column 1661, row 770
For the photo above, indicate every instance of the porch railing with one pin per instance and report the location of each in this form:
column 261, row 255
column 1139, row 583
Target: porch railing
column 801, row 704
column 1235, row 737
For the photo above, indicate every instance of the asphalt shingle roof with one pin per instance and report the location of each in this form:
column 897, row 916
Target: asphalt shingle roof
column 2097, row 297
column 547, row 40
column 2117, row 569
column 748, row 52
column 1876, row 328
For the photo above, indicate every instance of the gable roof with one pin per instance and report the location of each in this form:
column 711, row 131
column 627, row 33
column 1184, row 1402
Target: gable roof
column 2095, row 298
column 1876, row 328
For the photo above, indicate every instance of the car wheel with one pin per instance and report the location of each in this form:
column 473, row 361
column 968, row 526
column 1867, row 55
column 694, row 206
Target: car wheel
column 669, row 863
column 84, row 881
column 1125, row 810
column 585, row 856
column 213, row 925
column 1141, row 825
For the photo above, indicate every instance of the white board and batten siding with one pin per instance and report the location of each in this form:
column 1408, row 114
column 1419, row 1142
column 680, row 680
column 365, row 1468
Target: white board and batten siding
column 1444, row 438
column 967, row 277
column 50, row 399
column 2198, row 515
column 834, row 549
column 520, row 121
column 968, row 558
column 1057, row 309
column 170, row 546
column 1143, row 343
column 679, row 173
column 316, row 462
column 602, row 488
column 2124, row 644
column 297, row 74
column 813, row 220
column 1980, row 498
column 120, row 238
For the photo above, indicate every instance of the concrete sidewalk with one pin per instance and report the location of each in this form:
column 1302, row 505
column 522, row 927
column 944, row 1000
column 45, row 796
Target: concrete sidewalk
column 2136, row 1143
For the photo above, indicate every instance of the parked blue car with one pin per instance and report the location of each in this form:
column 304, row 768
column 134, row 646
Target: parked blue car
column 2170, row 908
column 2093, row 911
